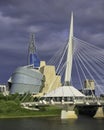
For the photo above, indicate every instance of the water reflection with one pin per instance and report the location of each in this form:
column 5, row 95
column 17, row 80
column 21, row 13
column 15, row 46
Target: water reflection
column 52, row 123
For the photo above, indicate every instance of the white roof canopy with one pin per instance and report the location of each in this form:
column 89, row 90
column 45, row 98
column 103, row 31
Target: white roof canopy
column 65, row 91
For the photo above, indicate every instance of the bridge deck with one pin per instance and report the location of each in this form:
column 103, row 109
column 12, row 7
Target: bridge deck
column 84, row 102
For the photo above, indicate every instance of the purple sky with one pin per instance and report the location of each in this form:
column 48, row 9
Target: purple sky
column 49, row 20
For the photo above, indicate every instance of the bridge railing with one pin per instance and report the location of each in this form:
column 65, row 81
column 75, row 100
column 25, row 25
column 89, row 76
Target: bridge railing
column 88, row 100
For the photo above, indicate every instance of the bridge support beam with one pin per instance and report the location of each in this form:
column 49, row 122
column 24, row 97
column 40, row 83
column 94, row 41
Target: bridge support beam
column 68, row 112
column 99, row 112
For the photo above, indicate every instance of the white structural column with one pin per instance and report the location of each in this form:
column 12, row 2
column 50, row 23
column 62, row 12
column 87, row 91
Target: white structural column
column 68, row 111
column 69, row 54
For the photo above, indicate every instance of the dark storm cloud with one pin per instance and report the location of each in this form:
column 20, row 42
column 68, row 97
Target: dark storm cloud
column 50, row 20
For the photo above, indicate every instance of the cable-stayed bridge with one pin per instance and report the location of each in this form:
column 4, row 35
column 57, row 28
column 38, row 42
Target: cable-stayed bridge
column 87, row 64
column 81, row 66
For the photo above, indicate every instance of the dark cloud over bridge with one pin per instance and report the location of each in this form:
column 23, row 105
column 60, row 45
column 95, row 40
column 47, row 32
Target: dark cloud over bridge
column 49, row 20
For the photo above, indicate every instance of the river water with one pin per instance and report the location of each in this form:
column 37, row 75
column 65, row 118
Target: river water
column 52, row 123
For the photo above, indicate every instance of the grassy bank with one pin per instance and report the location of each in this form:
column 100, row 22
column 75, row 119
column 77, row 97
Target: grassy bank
column 19, row 112
column 12, row 109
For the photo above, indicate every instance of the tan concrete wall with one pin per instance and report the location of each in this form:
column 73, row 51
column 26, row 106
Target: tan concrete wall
column 89, row 84
column 99, row 113
column 52, row 81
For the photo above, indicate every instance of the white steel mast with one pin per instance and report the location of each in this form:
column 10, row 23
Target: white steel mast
column 69, row 55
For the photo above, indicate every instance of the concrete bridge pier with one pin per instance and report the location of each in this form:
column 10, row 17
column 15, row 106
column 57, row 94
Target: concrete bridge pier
column 68, row 112
column 99, row 113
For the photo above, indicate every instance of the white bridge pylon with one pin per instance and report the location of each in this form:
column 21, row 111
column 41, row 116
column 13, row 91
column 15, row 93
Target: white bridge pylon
column 69, row 55
column 67, row 91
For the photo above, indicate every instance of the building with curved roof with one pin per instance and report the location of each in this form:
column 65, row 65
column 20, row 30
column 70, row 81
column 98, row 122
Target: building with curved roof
column 34, row 78
column 65, row 91
column 26, row 80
